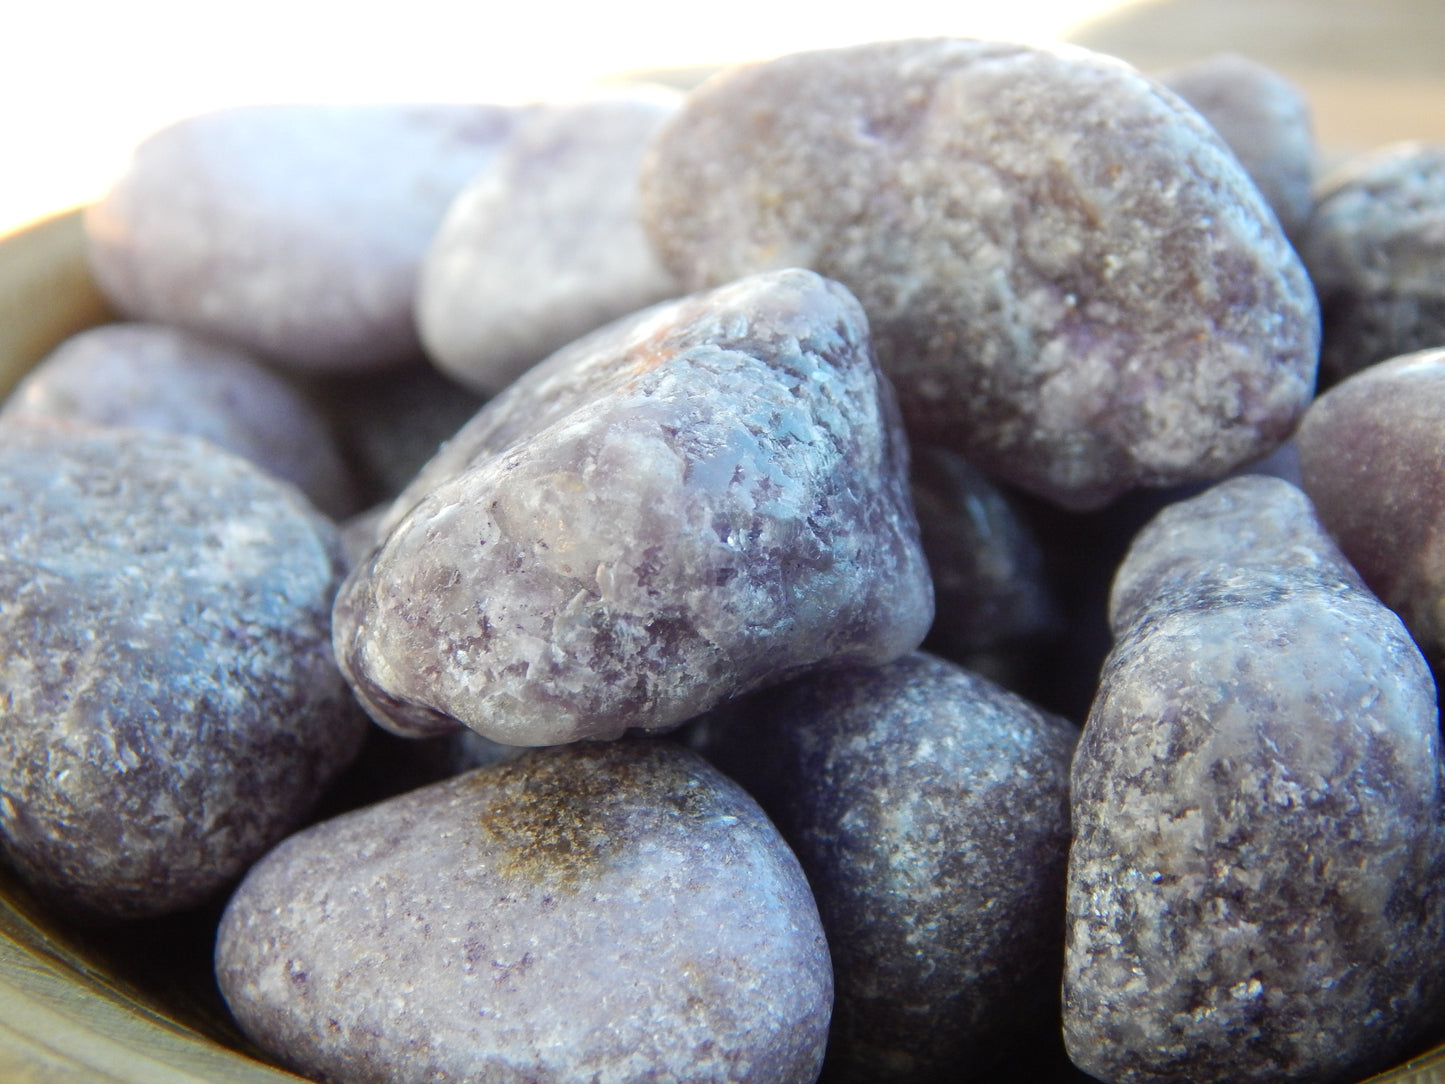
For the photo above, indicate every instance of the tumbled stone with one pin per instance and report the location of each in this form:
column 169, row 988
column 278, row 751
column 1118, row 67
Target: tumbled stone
column 1375, row 248
column 929, row 809
column 1372, row 458
column 155, row 377
column 694, row 502
column 295, row 231
column 1265, row 120
column 989, row 585
column 605, row 912
column 545, row 245
column 1070, row 278
column 1259, row 833
column 169, row 704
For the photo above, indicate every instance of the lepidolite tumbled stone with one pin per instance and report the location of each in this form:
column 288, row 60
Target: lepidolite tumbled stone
column 1375, row 248
column 1254, row 883
column 929, row 809
column 614, row 913
column 699, row 500
column 169, row 705
column 295, row 231
column 545, row 245
column 1372, row 458
column 151, row 376
column 1070, row 278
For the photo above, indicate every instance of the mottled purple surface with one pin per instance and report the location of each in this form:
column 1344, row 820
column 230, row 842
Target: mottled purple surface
column 1069, row 276
column 1375, row 248
column 697, row 501
column 1255, row 879
column 929, row 809
column 169, row 705
column 545, row 245
column 151, row 376
column 612, row 913
column 295, row 231
column 1265, row 120
column 1372, row 456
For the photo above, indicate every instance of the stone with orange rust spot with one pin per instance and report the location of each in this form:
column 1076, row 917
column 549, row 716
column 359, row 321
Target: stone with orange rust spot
column 691, row 503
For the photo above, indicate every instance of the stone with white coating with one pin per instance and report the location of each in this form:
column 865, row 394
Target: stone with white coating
column 295, row 231
column 930, row 811
column 169, row 704
column 697, row 501
column 545, row 245
column 1259, row 827
column 151, row 376
column 1069, row 276
column 616, row 912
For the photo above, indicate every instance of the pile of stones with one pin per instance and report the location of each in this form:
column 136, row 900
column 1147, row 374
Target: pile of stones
column 900, row 558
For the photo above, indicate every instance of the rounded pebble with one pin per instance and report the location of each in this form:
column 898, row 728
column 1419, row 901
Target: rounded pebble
column 1070, row 278
column 615, row 913
column 169, row 704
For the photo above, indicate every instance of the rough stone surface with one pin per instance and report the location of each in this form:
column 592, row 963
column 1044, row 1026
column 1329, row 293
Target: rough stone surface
column 699, row 500
column 1255, row 879
column 295, row 231
column 169, row 705
column 1069, row 276
column 929, row 809
column 612, row 913
column 988, row 570
column 1265, row 120
column 1375, row 248
column 545, row 245
column 154, row 377
column 1372, row 458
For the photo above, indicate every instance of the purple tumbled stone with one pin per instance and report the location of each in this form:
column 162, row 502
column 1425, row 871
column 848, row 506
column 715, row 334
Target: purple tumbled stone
column 610, row 912
column 1259, row 821
column 1069, row 276
column 694, row 502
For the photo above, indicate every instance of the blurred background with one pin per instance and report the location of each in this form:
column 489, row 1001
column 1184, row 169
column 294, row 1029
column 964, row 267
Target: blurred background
column 83, row 80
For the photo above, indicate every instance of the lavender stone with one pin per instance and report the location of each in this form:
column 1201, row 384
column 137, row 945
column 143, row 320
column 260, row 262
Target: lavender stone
column 545, row 245
column 1069, row 276
column 169, row 705
column 1265, row 120
column 929, row 809
column 610, row 913
column 155, row 377
column 295, row 231
column 1372, row 458
column 1254, row 883
column 699, row 500
column 1375, row 248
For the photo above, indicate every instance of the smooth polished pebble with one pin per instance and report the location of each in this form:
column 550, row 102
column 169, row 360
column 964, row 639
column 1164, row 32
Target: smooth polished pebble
column 612, row 912
column 295, row 231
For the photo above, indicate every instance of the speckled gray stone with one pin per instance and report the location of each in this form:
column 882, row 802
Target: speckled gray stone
column 989, row 585
column 704, row 498
column 1372, row 459
column 169, row 705
column 544, row 245
column 1265, row 120
column 295, row 231
column 156, row 377
column 614, row 913
column 929, row 809
column 1375, row 248
column 1069, row 276
column 1255, row 879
